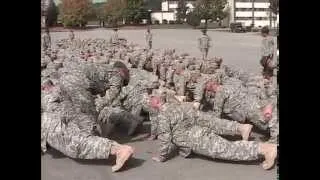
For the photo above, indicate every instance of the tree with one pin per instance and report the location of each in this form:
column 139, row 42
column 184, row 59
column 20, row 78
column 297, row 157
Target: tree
column 52, row 15
column 114, row 10
column 274, row 6
column 182, row 10
column 211, row 9
column 135, row 11
column 193, row 19
column 76, row 12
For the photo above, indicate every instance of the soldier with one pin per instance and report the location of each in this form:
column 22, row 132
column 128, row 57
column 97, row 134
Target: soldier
column 181, row 129
column 114, row 38
column 73, row 133
column 267, row 51
column 204, row 43
column 71, row 35
column 46, row 40
column 148, row 37
column 133, row 98
column 234, row 102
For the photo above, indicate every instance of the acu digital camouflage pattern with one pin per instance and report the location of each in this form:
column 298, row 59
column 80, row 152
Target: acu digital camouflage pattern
column 179, row 129
column 69, row 131
column 93, row 95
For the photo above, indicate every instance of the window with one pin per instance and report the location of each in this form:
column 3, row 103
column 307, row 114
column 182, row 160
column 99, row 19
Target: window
column 250, row 9
column 243, row 18
column 243, row 9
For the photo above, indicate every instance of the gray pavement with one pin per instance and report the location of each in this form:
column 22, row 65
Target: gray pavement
column 240, row 50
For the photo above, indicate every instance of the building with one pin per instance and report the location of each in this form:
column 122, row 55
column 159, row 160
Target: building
column 169, row 10
column 250, row 12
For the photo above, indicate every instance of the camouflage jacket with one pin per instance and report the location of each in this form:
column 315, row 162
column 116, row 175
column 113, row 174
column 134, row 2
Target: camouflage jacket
column 267, row 46
column 229, row 98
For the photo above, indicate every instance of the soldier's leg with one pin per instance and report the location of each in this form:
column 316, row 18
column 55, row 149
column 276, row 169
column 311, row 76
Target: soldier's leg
column 154, row 125
column 206, row 52
column 223, row 126
column 206, row 143
column 162, row 72
column 72, row 142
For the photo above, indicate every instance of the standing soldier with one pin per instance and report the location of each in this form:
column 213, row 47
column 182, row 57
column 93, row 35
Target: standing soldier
column 267, row 51
column 204, row 43
column 114, row 38
column 71, row 35
column 46, row 40
column 149, row 38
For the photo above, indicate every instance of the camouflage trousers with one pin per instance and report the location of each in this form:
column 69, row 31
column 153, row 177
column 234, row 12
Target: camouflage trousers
column 75, row 143
column 206, row 142
column 179, row 84
column 76, row 88
column 149, row 43
column 204, row 52
column 217, row 125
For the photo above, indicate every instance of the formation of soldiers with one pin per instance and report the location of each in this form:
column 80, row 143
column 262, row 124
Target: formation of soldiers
column 91, row 87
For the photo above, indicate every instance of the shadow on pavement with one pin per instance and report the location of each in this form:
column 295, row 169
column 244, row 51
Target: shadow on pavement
column 193, row 156
column 131, row 163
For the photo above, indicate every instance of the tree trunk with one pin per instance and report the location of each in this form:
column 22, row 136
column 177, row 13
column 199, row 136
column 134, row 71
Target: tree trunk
column 253, row 13
column 206, row 24
column 270, row 17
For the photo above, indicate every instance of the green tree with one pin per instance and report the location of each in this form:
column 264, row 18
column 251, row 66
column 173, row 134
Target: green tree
column 182, row 10
column 135, row 11
column 52, row 15
column 274, row 6
column 193, row 19
column 114, row 10
column 211, row 9
column 76, row 12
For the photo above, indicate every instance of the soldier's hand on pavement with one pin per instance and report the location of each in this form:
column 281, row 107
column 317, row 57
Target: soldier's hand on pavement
column 157, row 159
column 196, row 105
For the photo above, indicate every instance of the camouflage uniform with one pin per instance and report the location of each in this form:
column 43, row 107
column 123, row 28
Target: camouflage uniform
column 69, row 131
column 267, row 52
column 204, row 45
column 209, row 66
column 149, row 39
column 180, row 80
column 46, row 41
column 234, row 102
column 71, row 36
column 83, row 81
column 202, row 95
column 178, row 128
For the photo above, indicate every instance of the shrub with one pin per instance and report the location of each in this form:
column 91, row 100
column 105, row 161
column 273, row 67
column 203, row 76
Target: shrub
column 193, row 20
column 171, row 22
column 164, row 21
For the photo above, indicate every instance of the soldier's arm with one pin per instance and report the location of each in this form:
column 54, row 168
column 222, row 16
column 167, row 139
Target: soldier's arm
column 219, row 102
column 198, row 93
column 272, row 47
column 115, row 87
column 165, row 137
